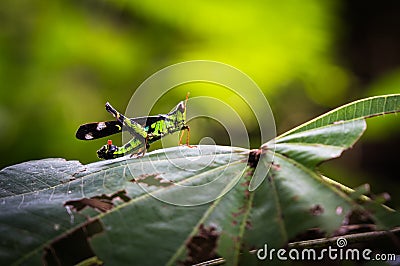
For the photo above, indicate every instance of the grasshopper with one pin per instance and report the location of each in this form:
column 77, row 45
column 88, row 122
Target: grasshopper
column 144, row 130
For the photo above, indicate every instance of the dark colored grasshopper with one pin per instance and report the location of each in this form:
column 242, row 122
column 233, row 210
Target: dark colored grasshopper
column 144, row 130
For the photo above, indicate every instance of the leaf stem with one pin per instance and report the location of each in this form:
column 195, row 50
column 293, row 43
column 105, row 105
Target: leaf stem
column 351, row 239
column 324, row 242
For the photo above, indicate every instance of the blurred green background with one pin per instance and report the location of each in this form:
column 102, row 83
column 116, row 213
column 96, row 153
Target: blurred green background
column 60, row 61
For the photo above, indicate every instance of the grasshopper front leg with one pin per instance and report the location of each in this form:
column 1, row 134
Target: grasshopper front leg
column 187, row 128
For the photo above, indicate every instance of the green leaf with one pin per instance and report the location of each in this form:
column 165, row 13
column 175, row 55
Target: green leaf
column 109, row 212
column 364, row 108
column 312, row 146
column 296, row 189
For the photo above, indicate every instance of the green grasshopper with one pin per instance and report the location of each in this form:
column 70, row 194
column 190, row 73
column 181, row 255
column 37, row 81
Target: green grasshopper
column 144, row 130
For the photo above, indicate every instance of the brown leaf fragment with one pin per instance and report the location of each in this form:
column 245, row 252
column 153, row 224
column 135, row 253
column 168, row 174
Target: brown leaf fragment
column 254, row 157
column 241, row 211
column 78, row 205
column 152, row 180
column 317, row 210
column 275, row 166
column 202, row 246
column 74, row 175
column 101, row 203
column 249, row 225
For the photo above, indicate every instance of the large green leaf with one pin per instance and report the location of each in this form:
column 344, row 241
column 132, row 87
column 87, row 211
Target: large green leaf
column 364, row 108
column 61, row 211
column 34, row 220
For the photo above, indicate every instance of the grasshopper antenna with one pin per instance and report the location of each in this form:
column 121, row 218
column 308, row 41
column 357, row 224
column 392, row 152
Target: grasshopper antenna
column 187, row 97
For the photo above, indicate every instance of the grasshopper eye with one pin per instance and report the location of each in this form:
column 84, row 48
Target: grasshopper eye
column 112, row 149
column 181, row 106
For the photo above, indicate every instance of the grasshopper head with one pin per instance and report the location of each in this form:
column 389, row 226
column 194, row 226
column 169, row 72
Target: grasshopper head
column 182, row 106
column 180, row 109
column 107, row 151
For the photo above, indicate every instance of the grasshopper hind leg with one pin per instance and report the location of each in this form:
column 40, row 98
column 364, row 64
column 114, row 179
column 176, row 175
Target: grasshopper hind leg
column 142, row 150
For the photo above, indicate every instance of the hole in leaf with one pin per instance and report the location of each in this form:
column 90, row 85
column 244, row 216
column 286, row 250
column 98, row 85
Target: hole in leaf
column 74, row 247
column 317, row 210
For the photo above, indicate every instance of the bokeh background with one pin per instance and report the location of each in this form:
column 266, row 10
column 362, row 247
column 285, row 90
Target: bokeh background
column 60, row 61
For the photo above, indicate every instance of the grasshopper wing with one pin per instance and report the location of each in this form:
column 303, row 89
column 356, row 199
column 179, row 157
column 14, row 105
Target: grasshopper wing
column 98, row 130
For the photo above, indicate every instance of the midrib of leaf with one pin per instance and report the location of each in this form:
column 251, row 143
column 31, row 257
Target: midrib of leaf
column 181, row 248
column 242, row 229
column 287, row 139
column 312, row 145
column 278, row 206
column 364, row 114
